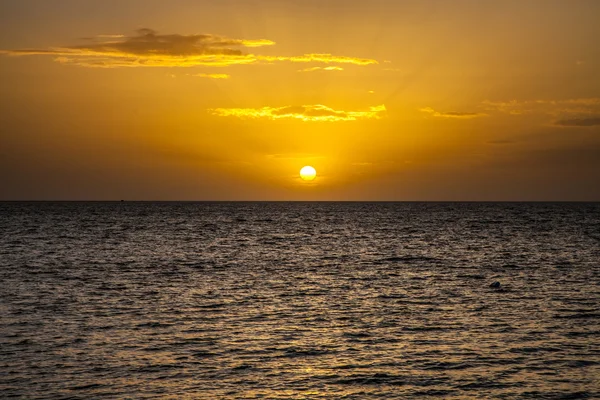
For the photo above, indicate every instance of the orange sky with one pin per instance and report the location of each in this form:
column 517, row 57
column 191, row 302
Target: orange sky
column 388, row 100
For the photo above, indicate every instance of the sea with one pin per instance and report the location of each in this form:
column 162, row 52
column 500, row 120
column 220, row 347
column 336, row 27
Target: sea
column 306, row 300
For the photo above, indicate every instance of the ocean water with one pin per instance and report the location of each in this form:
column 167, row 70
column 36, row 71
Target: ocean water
column 299, row 300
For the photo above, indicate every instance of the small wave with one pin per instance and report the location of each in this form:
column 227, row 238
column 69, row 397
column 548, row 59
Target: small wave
column 158, row 368
column 443, row 366
column 433, row 393
column 203, row 354
column 424, row 328
column 153, row 324
column 408, row 259
column 356, row 335
column 345, row 367
column 582, row 363
column 88, row 387
column 470, row 276
column 530, row 350
column 382, row 378
column 485, row 384
column 583, row 315
column 304, row 352
column 391, row 296
column 374, row 379
column 556, row 395
column 512, row 266
column 242, row 367
column 582, row 334
column 212, row 306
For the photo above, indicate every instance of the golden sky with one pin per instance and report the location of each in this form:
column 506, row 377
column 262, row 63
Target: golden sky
column 228, row 100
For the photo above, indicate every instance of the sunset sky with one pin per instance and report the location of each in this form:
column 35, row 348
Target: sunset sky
column 229, row 99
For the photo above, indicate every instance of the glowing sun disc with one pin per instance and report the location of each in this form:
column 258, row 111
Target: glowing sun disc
column 308, row 173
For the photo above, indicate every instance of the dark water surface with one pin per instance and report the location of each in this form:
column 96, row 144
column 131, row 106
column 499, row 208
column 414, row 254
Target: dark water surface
column 299, row 300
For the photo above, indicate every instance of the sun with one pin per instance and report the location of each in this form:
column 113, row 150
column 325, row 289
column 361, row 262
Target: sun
column 308, row 173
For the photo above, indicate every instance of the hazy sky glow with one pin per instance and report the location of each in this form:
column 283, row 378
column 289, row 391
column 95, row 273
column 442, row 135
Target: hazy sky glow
column 227, row 100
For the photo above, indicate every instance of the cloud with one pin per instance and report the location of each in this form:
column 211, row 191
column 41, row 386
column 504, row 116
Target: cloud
column 213, row 76
column 149, row 42
column 111, row 36
column 324, row 58
column 452, row 114
column 579, row 122
column 147, row 48
column 552, row 107
column 256, row 43
column 312, row 69
column 308, row 113
column 120, row 61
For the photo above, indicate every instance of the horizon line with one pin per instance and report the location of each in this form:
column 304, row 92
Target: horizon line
column 297, row 201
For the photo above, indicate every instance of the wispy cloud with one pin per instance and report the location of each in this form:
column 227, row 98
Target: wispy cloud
column 552, row 107
column 313, row 69
column 109, row 36
column 256, row 43
column 148, row 48
column 213, row 76
column 452, row 114
column 324, row 58
column 309, row 113
column 579, row 122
